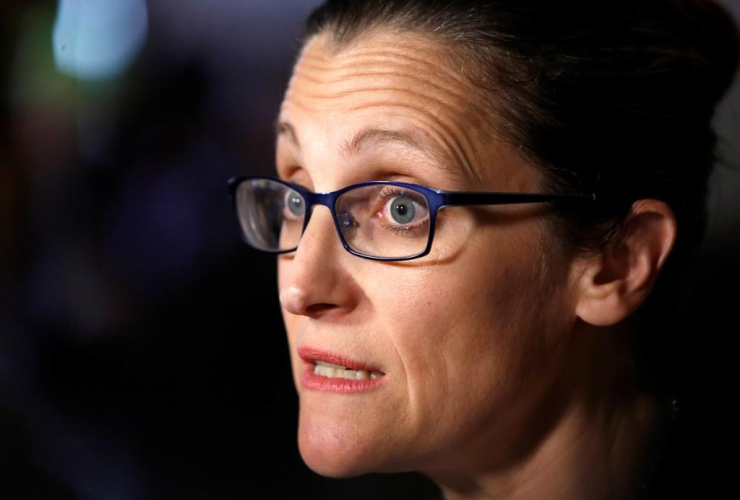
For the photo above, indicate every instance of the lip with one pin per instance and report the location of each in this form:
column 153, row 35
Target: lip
column 311, row 354
column 315, row 382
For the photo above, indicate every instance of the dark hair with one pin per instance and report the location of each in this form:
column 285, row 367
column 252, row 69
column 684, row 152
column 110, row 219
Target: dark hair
column 614, row 97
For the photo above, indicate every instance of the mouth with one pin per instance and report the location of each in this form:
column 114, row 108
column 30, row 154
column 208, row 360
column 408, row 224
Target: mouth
column 330, row 365
column 329, row 370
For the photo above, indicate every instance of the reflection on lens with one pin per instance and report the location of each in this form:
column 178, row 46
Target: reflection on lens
column 270, row 213
column 346, row 222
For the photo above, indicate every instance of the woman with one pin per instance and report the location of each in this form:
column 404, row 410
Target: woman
column 492, row 344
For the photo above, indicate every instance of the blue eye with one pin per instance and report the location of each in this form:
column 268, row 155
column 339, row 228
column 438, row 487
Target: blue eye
column 403, row 206
column 401, row 209
column 295, row 204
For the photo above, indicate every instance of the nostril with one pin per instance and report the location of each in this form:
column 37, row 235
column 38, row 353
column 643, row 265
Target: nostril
column 316, row 309
column 299, row 302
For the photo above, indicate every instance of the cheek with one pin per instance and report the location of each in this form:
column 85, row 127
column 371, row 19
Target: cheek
column 472, row 337
column 446, row 328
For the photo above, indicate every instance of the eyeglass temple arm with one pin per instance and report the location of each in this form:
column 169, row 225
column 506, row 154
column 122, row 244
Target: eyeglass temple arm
column 512, row 198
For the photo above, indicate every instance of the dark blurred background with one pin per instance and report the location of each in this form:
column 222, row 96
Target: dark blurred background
column 142, row 355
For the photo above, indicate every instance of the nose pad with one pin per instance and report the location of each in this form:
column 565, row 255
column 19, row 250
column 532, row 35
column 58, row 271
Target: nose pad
column 331, row 231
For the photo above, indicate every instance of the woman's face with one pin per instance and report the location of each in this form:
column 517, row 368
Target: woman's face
column 470, row 339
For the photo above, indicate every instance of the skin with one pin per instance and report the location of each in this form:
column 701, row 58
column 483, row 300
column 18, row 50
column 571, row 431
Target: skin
column 494, row 374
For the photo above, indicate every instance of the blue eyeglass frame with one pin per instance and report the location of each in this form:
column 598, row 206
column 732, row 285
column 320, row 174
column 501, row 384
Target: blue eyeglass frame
column 436, row 199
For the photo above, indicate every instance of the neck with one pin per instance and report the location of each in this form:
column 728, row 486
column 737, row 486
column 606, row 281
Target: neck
column 597, row 447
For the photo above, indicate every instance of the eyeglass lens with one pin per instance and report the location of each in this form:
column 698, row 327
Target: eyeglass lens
column 378, row 220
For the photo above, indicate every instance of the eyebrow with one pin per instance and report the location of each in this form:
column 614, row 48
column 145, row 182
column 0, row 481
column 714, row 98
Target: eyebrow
column 369, row 137
column 285, row 128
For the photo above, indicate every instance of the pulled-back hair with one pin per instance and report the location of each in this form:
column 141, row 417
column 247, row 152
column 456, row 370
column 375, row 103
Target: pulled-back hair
column 614, row 97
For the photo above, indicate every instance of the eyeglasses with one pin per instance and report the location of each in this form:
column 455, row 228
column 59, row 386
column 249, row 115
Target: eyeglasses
column 379, row 220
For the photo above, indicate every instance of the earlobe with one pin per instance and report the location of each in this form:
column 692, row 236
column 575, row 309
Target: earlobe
column 615, row 283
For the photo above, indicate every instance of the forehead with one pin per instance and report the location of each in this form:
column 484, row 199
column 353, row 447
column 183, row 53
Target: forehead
column 407, row 64
column 404, row 86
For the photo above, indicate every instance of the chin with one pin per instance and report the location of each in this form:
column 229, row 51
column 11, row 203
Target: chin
column 335, row 450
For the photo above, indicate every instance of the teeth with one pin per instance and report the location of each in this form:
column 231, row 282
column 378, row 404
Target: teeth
column 324, row 363
column 335, row 371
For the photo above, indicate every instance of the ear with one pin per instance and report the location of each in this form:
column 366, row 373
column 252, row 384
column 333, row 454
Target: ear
column 614, row 283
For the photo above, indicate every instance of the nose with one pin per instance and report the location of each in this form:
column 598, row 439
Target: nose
column 314, row 279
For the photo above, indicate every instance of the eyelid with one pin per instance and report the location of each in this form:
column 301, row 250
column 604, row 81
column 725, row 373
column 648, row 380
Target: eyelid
column 391, row 189
column 299, row 185
column 417, row 198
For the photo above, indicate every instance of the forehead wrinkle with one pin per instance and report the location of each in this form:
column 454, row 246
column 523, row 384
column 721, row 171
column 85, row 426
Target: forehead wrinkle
column 446, row 136
column 385, row 65
column 302, row 74
column 451, row 68
column 448, row 107
column 341, row 71
column 381, row 61
column 400, row 50
column 452, row 140
column 450, row 159
column 447, row 102
column 346, row 78
column 450, row 98
column 456, row 142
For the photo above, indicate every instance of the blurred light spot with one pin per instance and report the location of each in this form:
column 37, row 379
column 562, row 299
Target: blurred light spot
column 98, row 39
